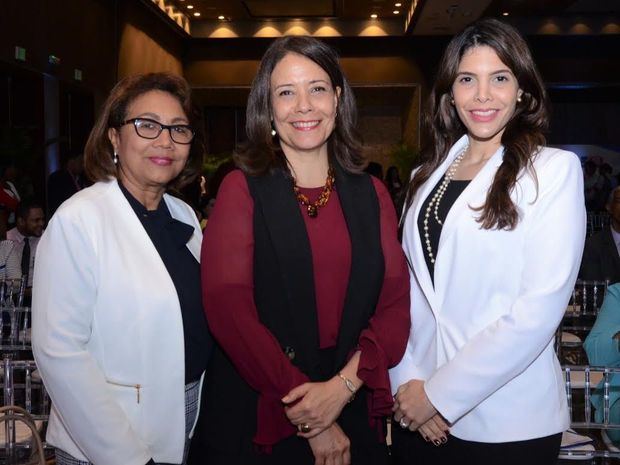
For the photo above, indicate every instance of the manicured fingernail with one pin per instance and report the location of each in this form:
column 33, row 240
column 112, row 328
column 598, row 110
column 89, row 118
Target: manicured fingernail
column 426, row 438
column 437, row 442
column 444, row 440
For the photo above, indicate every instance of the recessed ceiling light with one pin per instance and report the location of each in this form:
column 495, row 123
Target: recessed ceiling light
column 221, row 17
column 505, row 13
column 196, row 14
column 396, row 12
column 190, row 7
column 398, row 5
column 374, row 16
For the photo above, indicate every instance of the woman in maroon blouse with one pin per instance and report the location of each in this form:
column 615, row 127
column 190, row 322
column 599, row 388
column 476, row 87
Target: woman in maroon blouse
column 305, row 286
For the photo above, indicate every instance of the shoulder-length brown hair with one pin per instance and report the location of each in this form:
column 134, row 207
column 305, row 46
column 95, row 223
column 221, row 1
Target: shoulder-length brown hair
column 99, row 153
column 524, row 132
column 262, row 151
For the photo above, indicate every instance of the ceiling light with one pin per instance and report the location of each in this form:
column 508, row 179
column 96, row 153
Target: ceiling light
column 221, row 17
column 505, row 13
column 374, row 16
column 396, row 12
column 398, row 5
column 196, row 14
column 190, row 7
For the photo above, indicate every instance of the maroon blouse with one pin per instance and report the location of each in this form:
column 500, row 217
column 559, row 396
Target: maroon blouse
column 228, row 296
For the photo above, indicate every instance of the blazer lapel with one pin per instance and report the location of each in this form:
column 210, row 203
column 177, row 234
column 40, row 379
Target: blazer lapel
column 416, row 249
column 474, row 195
column 180, row 213
column 133, row 227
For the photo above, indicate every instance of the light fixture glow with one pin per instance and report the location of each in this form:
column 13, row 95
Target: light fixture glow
column 196, row 14
column 396, row 12
column 374, row 16
column 398, row 5
column 190, row 7
column 221, row 17
column 505, row 13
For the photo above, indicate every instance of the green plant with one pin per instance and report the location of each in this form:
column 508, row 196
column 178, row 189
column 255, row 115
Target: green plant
column 211, row 163
column 404, row 158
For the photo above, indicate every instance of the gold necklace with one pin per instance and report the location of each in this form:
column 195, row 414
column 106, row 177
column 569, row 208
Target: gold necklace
column 312, row 208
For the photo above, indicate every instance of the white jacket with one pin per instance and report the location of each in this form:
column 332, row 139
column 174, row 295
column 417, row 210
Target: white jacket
column 108, row 332
column 482, row 338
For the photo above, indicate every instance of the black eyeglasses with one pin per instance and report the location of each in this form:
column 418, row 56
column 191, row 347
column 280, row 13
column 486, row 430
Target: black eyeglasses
column 151, row 129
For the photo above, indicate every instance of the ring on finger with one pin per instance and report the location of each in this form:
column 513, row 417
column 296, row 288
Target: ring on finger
column 304, row 428
column 403, row 422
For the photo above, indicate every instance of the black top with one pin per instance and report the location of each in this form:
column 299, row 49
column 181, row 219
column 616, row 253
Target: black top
column 600, row 258
column 170, row 237
column 284, row 286
column 454, row 189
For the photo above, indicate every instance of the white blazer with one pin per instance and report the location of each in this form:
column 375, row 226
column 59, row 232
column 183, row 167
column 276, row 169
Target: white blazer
column 482, row 337
column 108, row 332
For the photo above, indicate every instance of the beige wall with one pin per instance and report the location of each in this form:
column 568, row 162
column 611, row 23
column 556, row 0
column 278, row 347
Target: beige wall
column 359, row 70
column 139, row 52
column 147, row 43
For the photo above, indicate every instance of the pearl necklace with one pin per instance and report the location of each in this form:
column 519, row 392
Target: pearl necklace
column 433, row 205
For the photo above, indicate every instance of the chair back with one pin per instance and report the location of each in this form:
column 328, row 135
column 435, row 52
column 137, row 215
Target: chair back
column 583, row 307
column 10, row 415
column 596, row 221
column 24, row 400
column 580, row 382
column 15, row 317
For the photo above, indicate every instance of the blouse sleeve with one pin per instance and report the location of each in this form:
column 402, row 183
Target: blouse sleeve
column 383, row 343
column 228, row 296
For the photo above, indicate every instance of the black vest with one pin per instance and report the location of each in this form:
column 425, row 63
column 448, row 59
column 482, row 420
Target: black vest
column 284, row 292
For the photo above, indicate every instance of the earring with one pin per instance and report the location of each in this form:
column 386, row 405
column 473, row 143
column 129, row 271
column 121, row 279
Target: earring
column 452, row 101
column 273, row 132
column 519, row 99
column 115, row 159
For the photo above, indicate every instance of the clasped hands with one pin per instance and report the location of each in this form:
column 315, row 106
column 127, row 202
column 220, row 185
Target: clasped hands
column 313, row 408
column 413, row 410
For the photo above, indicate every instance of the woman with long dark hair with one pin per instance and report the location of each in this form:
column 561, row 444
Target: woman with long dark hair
column 494, row 231
column 305, row 284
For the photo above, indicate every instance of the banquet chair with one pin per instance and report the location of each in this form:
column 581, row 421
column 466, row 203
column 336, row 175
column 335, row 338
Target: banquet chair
column 19, row 423
column 596, row 221
column 23, row 397
column 587, row 439
column 15, row 317
column 583, row 307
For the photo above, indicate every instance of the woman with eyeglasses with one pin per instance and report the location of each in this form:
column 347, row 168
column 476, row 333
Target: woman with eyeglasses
column 119, row 334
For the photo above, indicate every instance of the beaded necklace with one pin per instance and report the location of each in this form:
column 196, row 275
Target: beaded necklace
column 312, row 208
column 433, row 206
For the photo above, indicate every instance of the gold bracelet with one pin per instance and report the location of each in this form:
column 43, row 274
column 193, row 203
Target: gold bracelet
column 349, row 384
